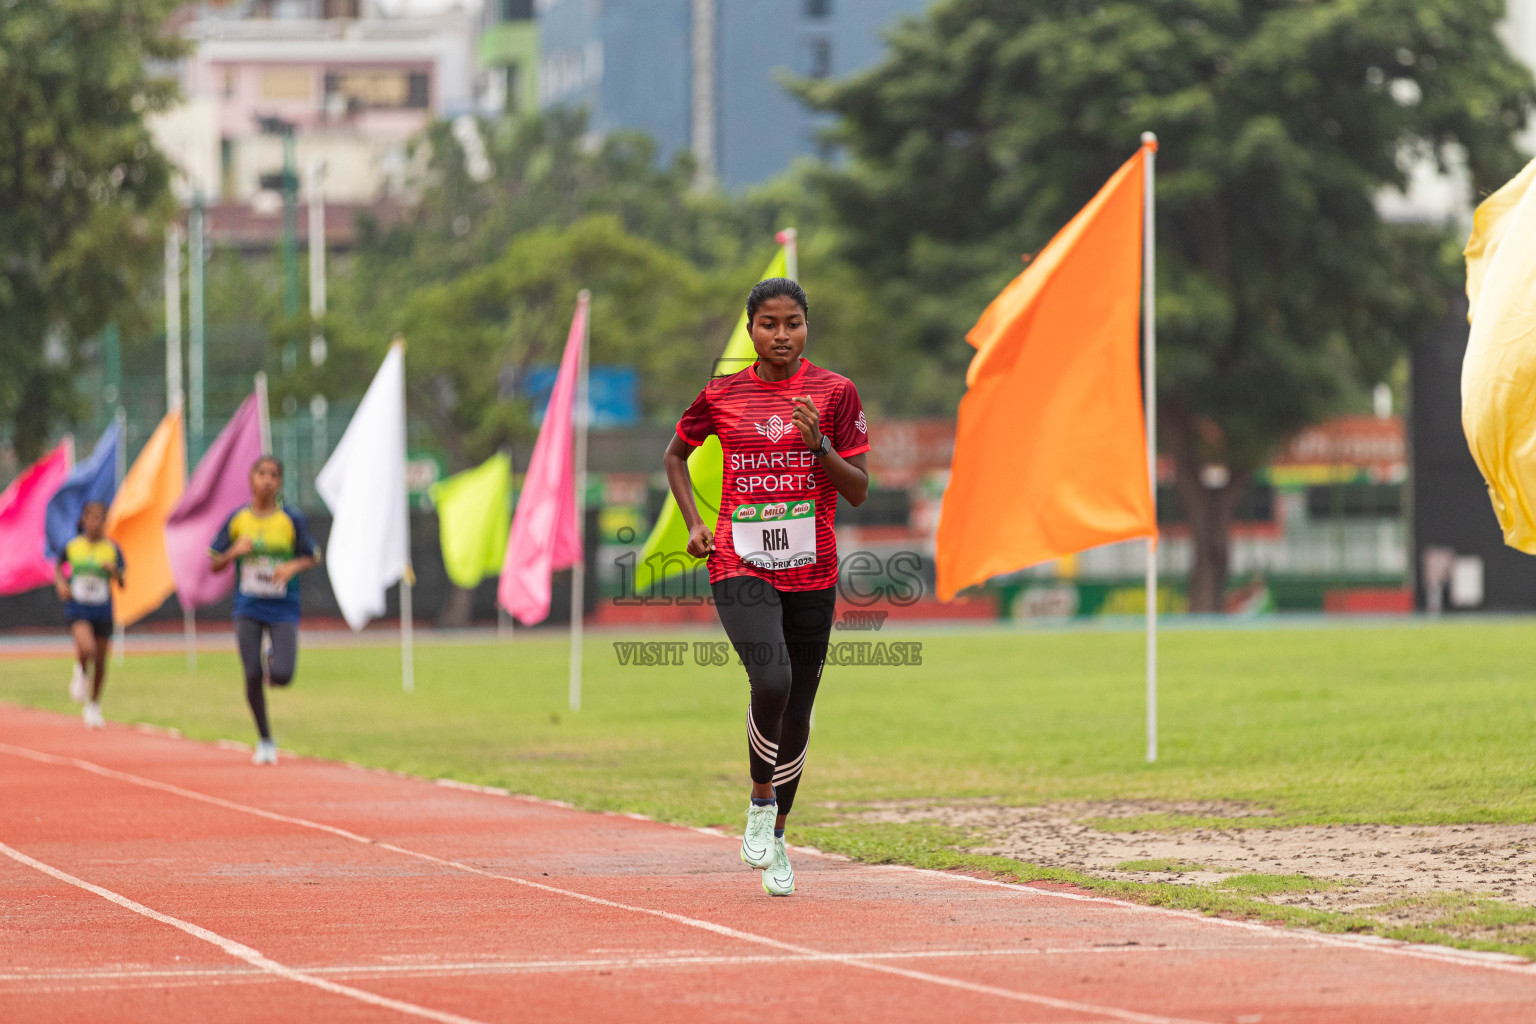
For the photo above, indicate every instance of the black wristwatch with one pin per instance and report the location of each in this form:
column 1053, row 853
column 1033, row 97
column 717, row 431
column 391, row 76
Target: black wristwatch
column 823, row 449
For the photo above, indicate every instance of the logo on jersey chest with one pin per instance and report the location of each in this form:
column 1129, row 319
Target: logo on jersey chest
column 774, row 429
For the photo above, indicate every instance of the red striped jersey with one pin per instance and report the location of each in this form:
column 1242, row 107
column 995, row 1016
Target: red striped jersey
column 776, row 516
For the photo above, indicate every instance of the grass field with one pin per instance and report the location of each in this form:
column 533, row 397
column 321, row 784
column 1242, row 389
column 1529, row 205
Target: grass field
column 1387, row 724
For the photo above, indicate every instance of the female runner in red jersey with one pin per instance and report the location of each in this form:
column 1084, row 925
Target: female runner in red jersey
column 794, row 437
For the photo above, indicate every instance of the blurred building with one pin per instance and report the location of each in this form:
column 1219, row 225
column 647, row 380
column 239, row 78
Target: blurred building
column 355, row 84
column 508, row 53
column 704, row 75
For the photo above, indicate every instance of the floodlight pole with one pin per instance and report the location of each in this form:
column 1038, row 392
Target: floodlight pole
column 1149, row 407
column 173, row 371
column 263, row 417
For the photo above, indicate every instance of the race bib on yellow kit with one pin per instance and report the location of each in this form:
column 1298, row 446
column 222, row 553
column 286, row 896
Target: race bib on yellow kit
column 256, row 579
column 776, row 534
column 88, row 588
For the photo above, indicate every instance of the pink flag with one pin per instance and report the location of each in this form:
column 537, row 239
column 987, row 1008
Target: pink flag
column 544, row 525
column 23, row 512
column 220, row 485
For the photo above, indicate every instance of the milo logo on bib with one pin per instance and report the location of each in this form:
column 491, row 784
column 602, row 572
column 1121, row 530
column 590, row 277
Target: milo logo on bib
column 775, row 535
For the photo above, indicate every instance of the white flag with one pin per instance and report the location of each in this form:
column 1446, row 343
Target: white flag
column 363, row 484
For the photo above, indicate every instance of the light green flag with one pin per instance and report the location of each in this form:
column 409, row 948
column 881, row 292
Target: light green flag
column 474, row 514
column 666, row 550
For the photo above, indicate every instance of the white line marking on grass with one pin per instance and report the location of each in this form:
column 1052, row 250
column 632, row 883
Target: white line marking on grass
column 235, row 949
column 1115, row 1013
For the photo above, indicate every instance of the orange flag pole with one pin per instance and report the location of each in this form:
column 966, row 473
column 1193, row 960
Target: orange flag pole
column 1052, row 454
column 1149, row 407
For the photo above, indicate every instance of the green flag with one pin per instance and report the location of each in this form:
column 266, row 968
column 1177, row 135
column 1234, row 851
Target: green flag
column 666, row 550
column 474, row 515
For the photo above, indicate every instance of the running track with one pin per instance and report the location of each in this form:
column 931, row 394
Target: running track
column 149, row 878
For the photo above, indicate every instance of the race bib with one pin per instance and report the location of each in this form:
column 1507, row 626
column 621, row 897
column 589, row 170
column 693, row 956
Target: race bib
column 256, row 578
column 775, row 535
column 88, row 588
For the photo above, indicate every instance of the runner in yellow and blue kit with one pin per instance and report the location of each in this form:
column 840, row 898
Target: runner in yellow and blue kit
column 94, row 563
column 270, row 544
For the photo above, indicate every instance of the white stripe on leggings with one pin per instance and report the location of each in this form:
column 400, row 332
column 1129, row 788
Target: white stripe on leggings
column 765, row 749
column 785, row 772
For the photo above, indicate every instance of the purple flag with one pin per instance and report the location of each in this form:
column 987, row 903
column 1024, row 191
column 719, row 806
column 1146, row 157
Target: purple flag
column 219, row 486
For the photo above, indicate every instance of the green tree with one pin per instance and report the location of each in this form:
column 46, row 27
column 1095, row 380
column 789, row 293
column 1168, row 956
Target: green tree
column 472, row 339
column 84, row 195
column 481, row 276
column 1280, row 288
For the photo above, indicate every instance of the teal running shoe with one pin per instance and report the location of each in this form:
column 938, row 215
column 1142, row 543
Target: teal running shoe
column 757, row 841
column 779, row 877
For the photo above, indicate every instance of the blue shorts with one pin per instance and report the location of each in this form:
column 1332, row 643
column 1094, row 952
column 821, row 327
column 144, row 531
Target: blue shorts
column 99, row 627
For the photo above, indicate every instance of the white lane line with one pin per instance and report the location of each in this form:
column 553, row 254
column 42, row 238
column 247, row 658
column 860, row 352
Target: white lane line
column 235, row 949
column 1114, row 1013
column 579, row 964
column 1503, row 962
column 1508, row 963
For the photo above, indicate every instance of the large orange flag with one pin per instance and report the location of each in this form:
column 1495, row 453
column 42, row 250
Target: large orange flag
column 137, row 518
column 1050, row 454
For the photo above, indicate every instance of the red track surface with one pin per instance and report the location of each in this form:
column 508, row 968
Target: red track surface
column 149, row 878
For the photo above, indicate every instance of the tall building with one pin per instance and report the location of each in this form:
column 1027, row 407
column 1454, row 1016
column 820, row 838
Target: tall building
column 353, row 84
column 705, row 75
column 508, row 53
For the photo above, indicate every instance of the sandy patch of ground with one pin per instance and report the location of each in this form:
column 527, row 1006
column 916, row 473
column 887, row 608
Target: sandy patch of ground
column 1370, row 865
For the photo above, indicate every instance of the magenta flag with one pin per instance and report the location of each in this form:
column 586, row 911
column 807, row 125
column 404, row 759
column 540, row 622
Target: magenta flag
column 219, row 486
column 544, row 524
column 23, row 517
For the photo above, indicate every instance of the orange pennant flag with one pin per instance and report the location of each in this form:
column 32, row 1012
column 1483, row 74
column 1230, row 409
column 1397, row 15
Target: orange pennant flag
column 1050, row 452
column 137, row 518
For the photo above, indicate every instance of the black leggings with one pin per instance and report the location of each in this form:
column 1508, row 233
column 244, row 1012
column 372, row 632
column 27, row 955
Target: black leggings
column 280, row 663
column 781, row 637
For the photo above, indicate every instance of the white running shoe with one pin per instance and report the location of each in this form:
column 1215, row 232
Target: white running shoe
column 779, row 877
column 757, row 841
column 92, row 715
column 266, row 753
column 79, row 685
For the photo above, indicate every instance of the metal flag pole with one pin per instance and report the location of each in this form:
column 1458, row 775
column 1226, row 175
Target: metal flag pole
column 408, row 580
column 1149, row 406
column 579, row 569
column 189, row 635
column 504, row 622
column 121, row 416
column 197, row 232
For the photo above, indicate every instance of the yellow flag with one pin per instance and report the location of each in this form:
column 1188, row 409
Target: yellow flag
column 137, row 518
column 1498, row 374
column 474, row 515
column 666, row 550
